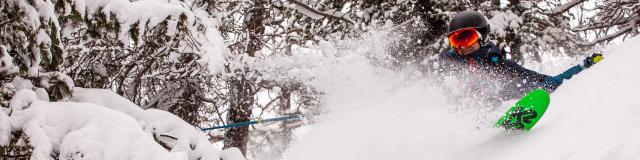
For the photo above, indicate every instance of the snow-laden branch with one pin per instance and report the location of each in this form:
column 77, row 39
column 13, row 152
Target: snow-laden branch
column 315, row 14
column 565, row 7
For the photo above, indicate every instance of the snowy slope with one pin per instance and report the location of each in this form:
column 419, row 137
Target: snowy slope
column 375, row 113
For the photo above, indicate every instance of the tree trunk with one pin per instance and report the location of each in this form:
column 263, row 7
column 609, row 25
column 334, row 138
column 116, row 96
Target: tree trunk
column 255, row 25
column 241, row 90
column 287, row 132
column 241, row 99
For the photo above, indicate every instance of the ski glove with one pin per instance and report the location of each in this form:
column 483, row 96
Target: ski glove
column 593, row 59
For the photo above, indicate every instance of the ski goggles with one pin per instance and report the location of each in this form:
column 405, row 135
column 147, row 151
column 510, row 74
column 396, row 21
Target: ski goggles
column 464, row 37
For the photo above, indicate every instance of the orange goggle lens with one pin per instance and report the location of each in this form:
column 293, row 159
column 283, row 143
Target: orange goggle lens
column 463, row 37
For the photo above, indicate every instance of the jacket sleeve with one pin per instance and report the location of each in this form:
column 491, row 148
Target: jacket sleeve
column 523, row 80
column 551, row 83
column 555, row 81
column 444, row 64
column 527, row 80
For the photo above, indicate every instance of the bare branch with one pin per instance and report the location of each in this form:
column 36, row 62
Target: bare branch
column 598, row 26
column 307, row 8
column 622, row 31
column 565, row 7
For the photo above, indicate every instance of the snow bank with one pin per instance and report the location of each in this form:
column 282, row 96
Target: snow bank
column 168, row 128
column 82, row 131
column 109, row 127
column 374, row 113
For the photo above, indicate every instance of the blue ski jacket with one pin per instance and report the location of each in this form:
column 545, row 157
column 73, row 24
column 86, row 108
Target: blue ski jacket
column 516, row 80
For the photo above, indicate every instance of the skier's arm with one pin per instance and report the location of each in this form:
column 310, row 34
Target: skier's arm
column 550, row 83
column 444, row 65
column 527, row 80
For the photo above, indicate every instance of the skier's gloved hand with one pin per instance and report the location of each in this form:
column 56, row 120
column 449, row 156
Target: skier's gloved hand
column 593, row 59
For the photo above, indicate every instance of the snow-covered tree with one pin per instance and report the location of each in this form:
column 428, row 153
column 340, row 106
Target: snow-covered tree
column 603, row 20
column 140, row 49
column 154, row 53
column 527, row 29
column 32, row 53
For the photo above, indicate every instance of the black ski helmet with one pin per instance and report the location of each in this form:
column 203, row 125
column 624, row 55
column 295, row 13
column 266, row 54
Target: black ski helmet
column 470, row 19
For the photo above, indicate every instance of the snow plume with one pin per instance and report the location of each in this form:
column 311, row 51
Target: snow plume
column 82, row 131
column 305, row 64
column 372, row 112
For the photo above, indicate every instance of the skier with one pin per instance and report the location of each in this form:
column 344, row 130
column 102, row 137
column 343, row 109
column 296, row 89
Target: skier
column 471, row 51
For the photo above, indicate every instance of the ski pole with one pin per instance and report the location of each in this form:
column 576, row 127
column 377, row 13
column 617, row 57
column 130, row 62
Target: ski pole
column 242, row 124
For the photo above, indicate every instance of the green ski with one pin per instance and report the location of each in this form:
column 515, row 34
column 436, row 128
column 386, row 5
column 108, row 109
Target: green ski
column 526, row 113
